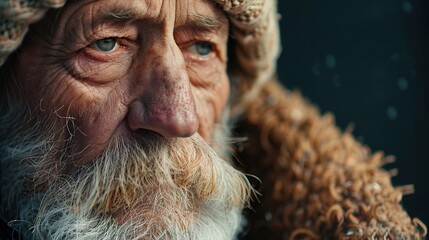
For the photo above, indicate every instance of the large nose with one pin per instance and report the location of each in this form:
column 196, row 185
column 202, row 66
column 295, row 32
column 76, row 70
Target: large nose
column 166, row 104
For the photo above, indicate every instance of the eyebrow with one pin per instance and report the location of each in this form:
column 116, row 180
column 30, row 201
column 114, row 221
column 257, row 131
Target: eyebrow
column 118, row 15
column 204, row 23
column 198, row 22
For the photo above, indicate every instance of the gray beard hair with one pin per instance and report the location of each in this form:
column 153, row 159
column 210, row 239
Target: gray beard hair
column 148, row 188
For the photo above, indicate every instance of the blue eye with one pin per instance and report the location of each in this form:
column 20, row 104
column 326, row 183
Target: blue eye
column 105, row 45
column 203, row 48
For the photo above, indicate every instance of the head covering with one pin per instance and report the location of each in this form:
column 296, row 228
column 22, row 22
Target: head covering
column 254, row 28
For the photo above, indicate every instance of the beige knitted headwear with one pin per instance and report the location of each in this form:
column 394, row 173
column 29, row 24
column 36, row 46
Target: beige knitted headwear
column 254, row 27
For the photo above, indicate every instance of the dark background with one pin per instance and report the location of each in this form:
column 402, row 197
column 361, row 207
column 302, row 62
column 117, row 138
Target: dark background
column 367, row 62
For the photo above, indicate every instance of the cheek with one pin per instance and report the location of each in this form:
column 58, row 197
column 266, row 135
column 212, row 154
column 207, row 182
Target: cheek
column 211, row 91
column 91, row 113
column 221, row 96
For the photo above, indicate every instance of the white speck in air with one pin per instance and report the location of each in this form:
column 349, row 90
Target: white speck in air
column 268, row 216
column 402, row 84
column 330, row 61
column 391, row 113
column 394, row 57
column 407, row 7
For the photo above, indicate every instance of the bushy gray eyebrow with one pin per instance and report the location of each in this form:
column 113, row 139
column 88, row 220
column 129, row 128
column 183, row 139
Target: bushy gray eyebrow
column 198, row 21
column 117, row 14
column 205, row 23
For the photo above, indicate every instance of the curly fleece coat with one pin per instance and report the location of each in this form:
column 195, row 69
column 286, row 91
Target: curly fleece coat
column 317, row 182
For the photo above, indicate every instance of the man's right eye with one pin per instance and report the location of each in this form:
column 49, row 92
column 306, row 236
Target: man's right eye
column 105, row 45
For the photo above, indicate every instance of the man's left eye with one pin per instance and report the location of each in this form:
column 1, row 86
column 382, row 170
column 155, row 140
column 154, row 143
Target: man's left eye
column 105, row 45
column 202, row 49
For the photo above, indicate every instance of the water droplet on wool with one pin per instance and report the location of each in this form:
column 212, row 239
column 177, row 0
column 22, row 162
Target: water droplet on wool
column 350, row 232
column 375, row 186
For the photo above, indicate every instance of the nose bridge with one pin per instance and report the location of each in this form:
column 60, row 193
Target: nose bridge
column 169, row 79
column 167, row 105
column 168, row 67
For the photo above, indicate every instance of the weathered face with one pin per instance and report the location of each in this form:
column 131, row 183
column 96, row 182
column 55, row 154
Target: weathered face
column 123, row 68
column 125, row 88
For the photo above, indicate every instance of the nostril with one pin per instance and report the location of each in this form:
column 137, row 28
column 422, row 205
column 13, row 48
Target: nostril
column 147, row 134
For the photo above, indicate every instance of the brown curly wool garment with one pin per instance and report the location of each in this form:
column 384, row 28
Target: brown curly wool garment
column 317, row 182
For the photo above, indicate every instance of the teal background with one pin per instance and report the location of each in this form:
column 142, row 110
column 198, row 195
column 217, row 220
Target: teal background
column 367, row 62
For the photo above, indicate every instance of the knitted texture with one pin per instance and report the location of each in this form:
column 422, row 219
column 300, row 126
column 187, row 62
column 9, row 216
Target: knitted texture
column 15, row 17
column 317, row 182
column 254, row 27
column 256, row 30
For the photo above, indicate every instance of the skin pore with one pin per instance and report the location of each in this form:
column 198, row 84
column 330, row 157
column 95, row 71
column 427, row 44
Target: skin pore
column 125, row 68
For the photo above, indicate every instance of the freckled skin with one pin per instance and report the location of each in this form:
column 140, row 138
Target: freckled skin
column 153, row 81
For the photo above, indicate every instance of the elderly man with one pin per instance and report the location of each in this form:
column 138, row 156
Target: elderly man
column 115, row 120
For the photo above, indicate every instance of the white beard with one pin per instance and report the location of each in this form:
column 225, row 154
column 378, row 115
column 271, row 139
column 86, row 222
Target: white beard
column 149, row 188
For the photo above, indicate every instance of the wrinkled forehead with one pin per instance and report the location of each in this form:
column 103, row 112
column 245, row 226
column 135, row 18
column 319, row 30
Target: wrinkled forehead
column 175, row 13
